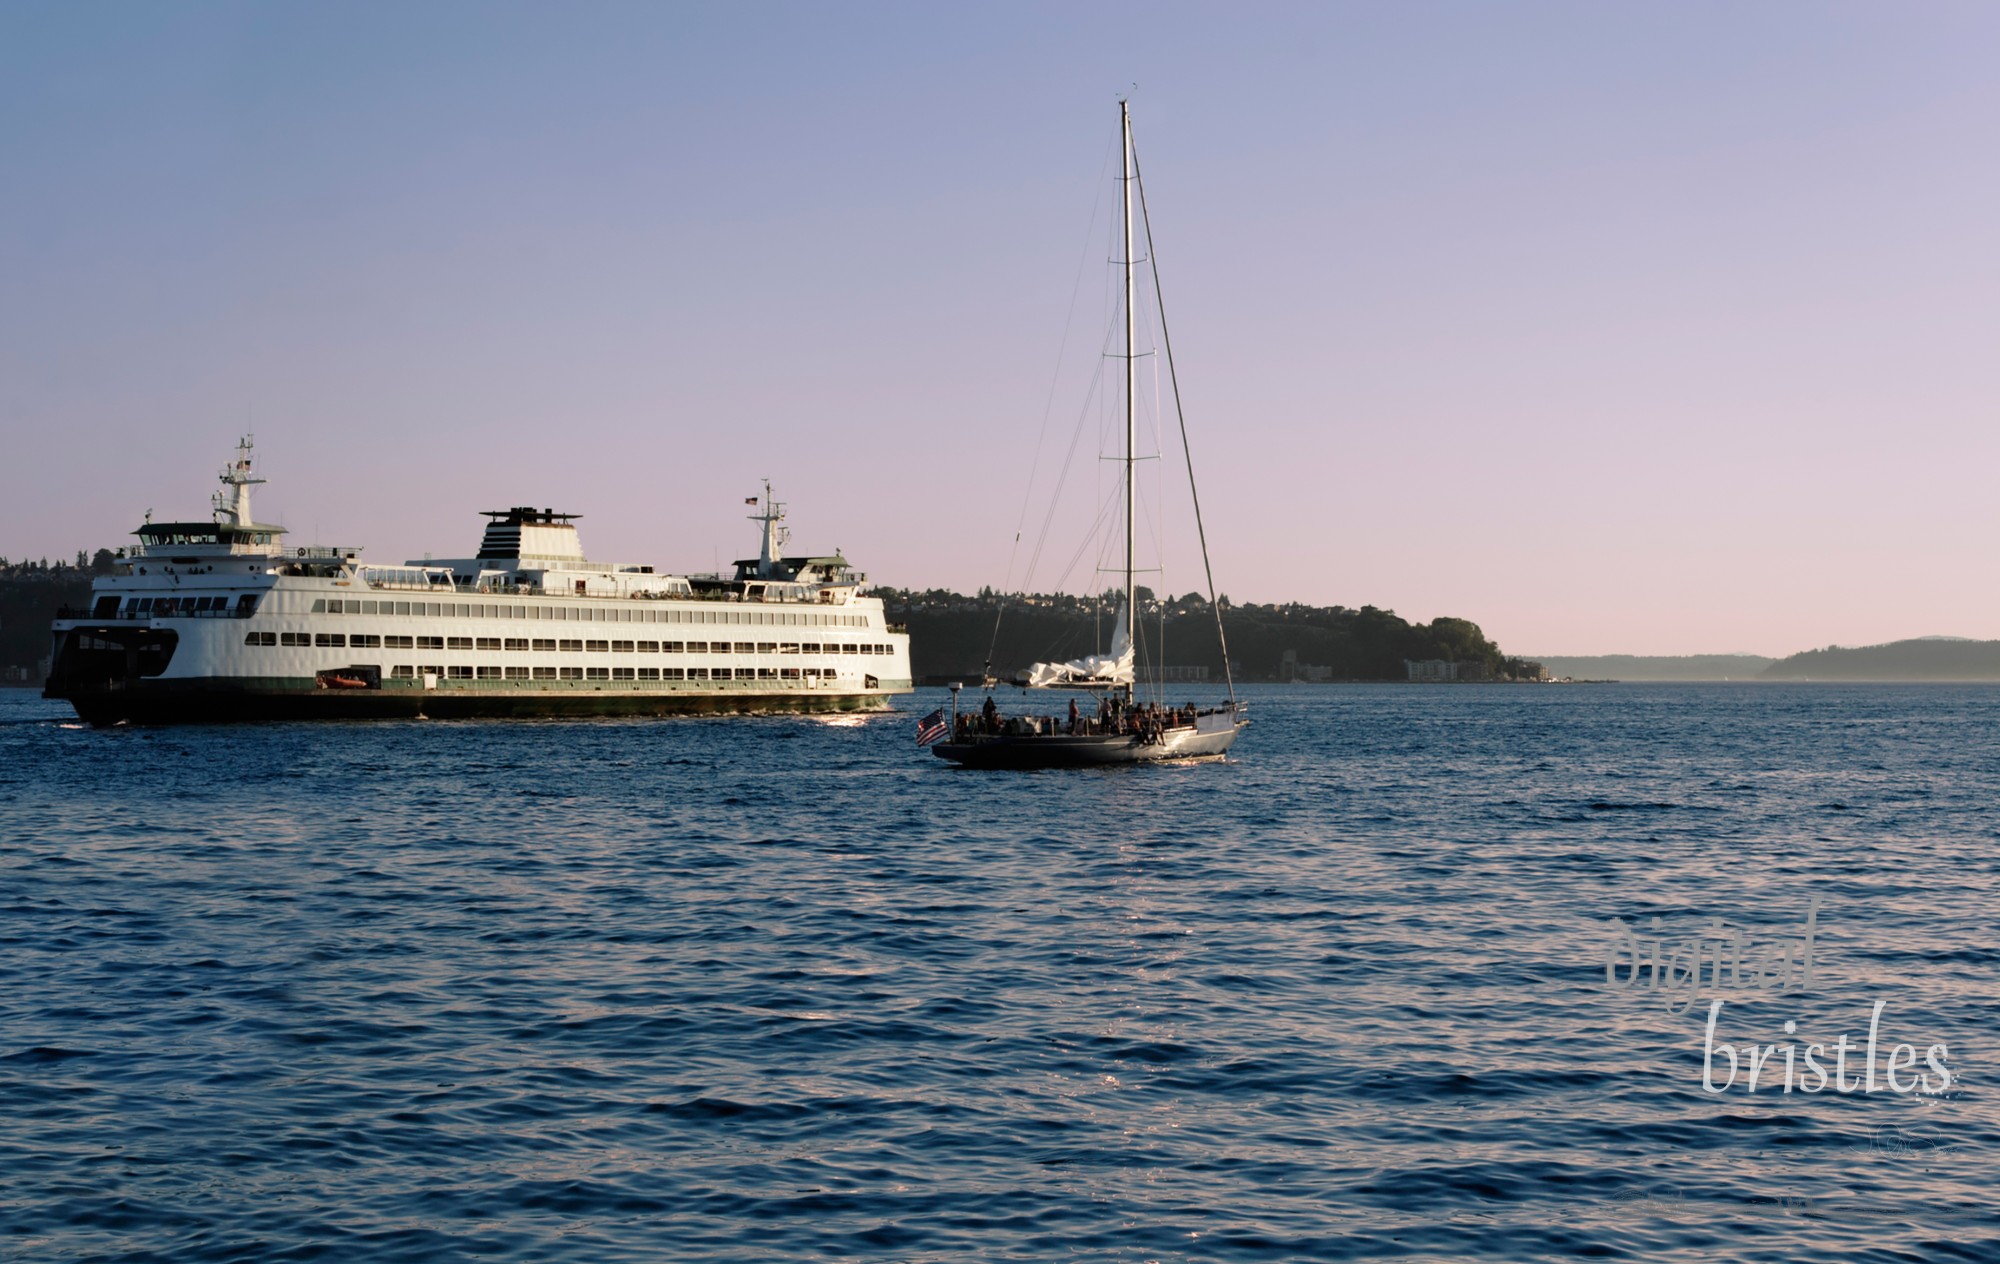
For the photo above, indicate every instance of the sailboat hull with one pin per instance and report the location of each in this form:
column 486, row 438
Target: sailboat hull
column 1208, row 738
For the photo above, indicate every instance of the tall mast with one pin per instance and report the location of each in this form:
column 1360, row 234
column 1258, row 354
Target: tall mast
column 1131, row 364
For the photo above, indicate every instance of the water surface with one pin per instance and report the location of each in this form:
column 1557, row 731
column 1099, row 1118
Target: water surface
column 791, row 989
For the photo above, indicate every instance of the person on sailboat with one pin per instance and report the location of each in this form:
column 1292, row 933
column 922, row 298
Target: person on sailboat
column 991, row 714
column 1072, row 717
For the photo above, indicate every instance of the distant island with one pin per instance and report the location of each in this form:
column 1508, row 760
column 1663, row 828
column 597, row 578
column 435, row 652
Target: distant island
column 1643, row 667
column 952, row 637
column 1931, row 658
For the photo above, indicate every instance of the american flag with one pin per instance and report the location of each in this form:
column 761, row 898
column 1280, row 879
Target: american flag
column 931, row 727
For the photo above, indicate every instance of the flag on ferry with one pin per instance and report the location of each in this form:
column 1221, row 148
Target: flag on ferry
column 931, row 727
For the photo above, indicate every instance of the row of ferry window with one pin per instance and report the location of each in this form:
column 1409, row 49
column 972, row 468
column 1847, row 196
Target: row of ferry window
column 611, row 673
column 547, row 645
column 162, row 607
column 607, row 613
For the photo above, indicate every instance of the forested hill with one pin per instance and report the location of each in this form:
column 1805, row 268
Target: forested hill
column 30, row 595
column 1932, row 658
column 950, row 633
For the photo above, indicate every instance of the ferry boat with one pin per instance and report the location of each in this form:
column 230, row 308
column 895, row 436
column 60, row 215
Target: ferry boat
column 222, row 620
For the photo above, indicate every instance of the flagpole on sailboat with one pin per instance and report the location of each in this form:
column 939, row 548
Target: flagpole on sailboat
column 1131, row 374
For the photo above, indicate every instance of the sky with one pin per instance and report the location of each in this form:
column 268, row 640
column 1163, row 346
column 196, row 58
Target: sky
column 1658, row 328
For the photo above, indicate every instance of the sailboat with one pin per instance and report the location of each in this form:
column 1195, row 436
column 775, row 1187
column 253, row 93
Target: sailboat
column 1119, row 728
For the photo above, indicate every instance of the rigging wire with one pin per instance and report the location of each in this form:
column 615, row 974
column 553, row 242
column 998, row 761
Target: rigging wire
column 1048, row 408
column 1173, row 376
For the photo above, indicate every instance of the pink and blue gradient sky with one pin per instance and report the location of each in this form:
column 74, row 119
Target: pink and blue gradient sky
column 1644, row 328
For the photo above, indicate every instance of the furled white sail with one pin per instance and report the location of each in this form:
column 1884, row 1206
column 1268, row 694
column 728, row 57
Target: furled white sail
column 1114, row 668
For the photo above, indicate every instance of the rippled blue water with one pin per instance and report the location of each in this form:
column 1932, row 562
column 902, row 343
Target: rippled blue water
column 788, row 989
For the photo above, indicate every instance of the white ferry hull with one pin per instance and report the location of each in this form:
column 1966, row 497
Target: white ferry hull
column 219, row 700
column 207, row 669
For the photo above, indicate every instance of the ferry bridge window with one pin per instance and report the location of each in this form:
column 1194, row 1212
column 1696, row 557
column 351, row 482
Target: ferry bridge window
column 671, row 647
column 488, row 642
column 788, row 647
column 767, row 647
column 429, row 669
column 767, row 673
column 746, row 673
column 646, row 647
column 545, row 645
column 571, row 673
column 294, row 638
column 517, row 643
column 597, row 647
column 697, row 673
column 545, row 673
column 399, row 642
column 402, row 607
column 649, row 673
column 517, row 673
column 572, row 647
column 404, row 671
column 744, row 647
column 364, row 641
column 810, row 647
column 621, row 673
column 788, row 673
column 489, row 673
column 430, row 642
column 697, row 647
column 461, row 673
column 621, row 647
column 666, row 673
column 597, row 673
column 334, row 640
column 261, row 638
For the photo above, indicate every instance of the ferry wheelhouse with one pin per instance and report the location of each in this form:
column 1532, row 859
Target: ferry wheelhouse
column 222, row 620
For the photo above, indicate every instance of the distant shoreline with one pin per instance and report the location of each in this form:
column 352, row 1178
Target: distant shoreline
column 1939, row 660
